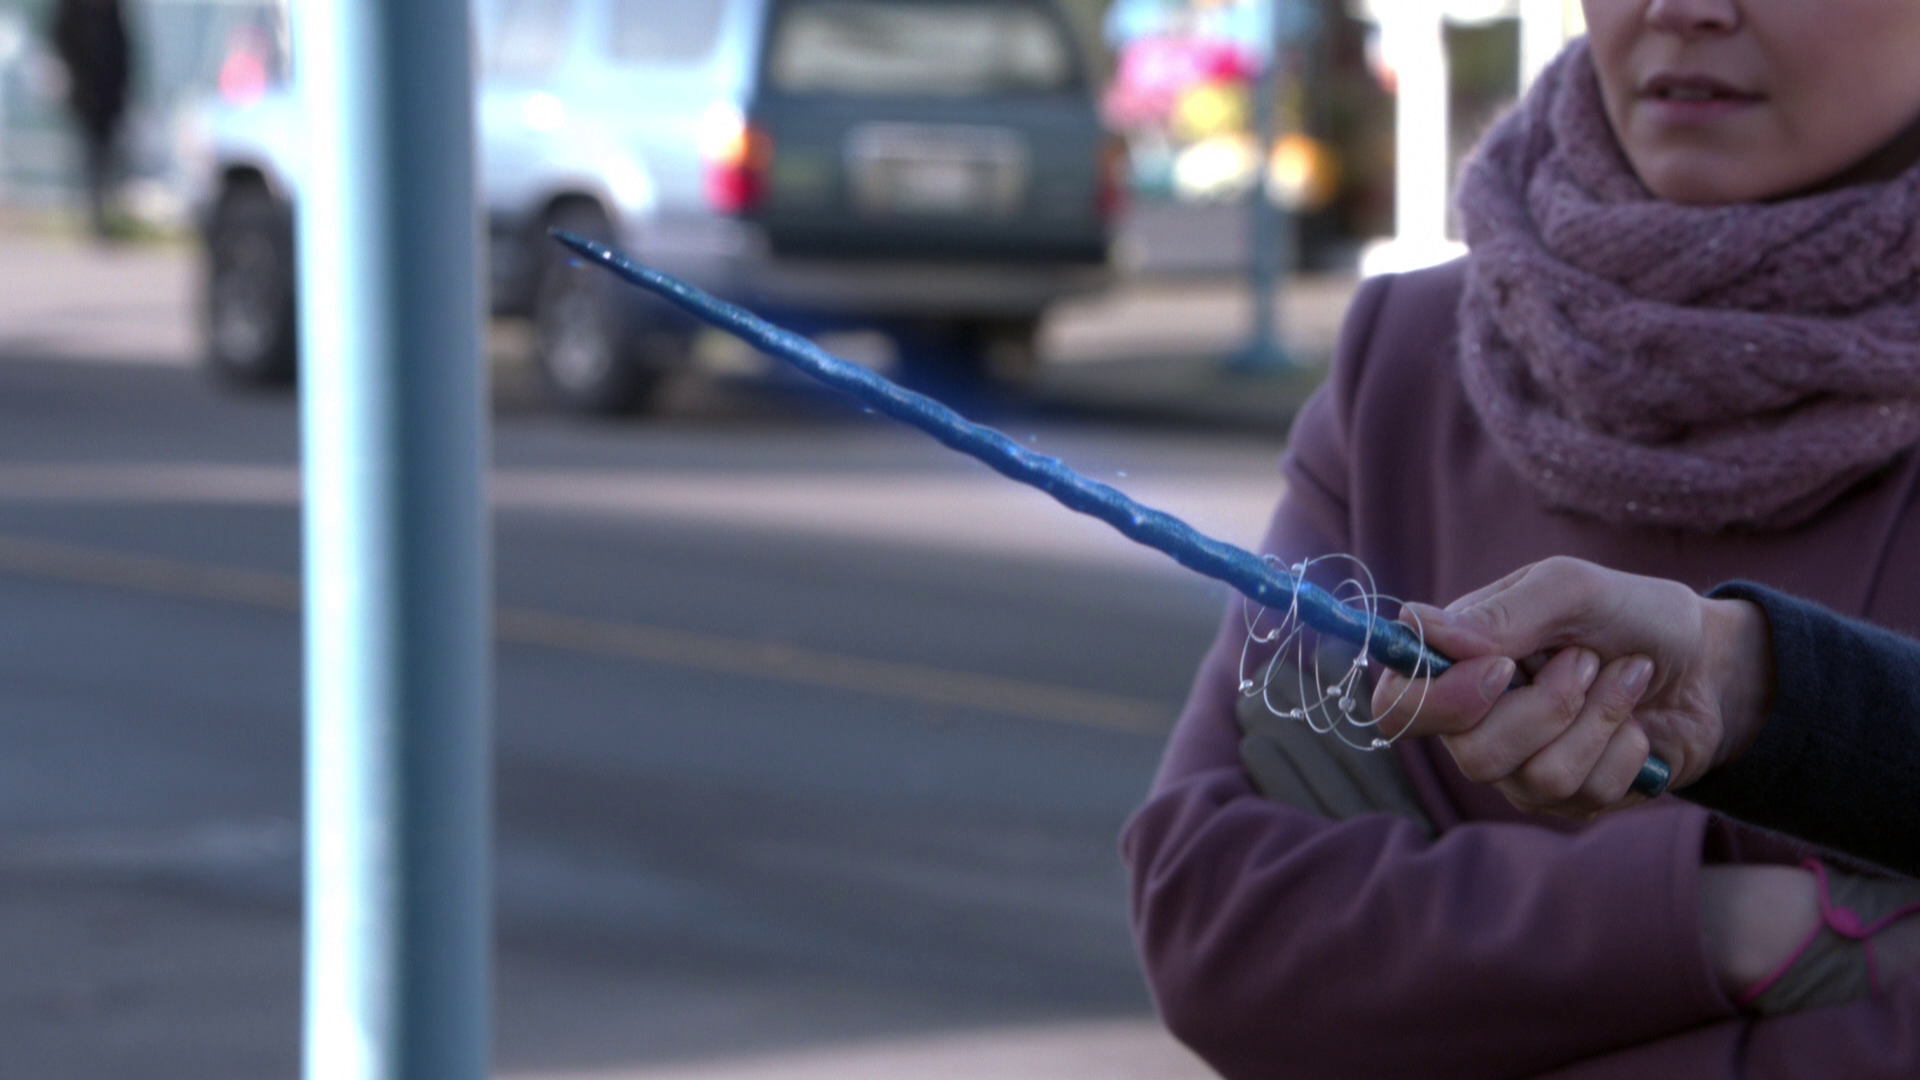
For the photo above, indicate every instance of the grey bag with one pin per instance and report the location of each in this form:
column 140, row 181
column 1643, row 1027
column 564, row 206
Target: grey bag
column 1292, row 763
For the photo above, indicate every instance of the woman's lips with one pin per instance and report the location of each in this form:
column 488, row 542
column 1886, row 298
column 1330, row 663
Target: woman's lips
column 1694, row 98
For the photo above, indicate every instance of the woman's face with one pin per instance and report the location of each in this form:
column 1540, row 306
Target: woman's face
column 1720, row 101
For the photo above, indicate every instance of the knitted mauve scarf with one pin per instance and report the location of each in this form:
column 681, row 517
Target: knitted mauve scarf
column 1692, row 367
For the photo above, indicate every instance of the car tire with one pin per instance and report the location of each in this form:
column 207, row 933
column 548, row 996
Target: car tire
column 595, row 351
column 1005, row 350
column 248, row 302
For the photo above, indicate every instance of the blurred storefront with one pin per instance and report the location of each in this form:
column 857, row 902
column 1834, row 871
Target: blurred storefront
column 1182, row 94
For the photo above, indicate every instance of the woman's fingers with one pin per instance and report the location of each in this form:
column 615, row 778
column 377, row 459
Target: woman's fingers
column 1564, row 744
column 1525, row 720
column 1610, row 786
column 1452, row 703
column 1592, row 764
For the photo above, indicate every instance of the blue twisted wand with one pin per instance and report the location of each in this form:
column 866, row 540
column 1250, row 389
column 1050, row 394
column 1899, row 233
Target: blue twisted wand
column 1260, row 580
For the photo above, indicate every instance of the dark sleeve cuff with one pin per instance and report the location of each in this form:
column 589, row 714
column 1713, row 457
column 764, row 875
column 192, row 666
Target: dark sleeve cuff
column 1838, row 761
column 1748, row 788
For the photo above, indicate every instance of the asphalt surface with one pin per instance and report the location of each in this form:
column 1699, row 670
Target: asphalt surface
column 813, row 740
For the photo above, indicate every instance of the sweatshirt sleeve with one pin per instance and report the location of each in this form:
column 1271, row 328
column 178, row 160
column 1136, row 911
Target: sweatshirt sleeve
column 1278, row 942
column 1838, row 762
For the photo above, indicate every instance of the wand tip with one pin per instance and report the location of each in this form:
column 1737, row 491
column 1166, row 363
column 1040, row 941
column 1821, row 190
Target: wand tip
column 578, row 243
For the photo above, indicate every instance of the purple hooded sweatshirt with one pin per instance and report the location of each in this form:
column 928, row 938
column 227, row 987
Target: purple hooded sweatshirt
column 1279, row 943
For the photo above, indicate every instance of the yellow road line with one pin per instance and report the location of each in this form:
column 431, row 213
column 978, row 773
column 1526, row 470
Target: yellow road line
column 145, row 573
column 922, row 684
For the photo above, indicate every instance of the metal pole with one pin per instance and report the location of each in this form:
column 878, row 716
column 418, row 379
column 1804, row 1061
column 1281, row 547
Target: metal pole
column 397, row 605
column 1271, row 251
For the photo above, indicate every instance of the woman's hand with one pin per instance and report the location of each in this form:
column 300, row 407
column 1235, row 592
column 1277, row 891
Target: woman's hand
column 1619, row 665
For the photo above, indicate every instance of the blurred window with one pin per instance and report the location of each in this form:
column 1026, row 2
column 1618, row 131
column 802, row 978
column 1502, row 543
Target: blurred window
column 529, row 38
column 904, row 48
column 646, row 31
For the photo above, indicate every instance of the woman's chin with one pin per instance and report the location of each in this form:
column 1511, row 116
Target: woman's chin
column 1695, row 173
column 1693, row 177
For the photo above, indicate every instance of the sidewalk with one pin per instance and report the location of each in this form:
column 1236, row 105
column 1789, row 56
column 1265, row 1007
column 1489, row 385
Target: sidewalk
column 1160, row 349
column 1153, row 348
column 68, row 299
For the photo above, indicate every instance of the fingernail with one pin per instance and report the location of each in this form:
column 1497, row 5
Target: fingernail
column 1638, row 672
column 1496, row 680
column 1586, row 668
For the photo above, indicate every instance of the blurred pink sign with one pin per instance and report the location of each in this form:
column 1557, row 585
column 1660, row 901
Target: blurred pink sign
column 1155, row 71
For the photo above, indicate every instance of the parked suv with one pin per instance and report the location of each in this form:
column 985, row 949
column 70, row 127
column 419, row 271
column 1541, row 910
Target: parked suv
column 935, row 169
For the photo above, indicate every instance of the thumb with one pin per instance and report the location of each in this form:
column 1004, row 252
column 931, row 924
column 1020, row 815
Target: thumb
column 1449, row 705
column 1458, row 635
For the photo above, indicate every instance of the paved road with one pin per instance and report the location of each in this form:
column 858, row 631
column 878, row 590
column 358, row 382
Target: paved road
column 813, row 740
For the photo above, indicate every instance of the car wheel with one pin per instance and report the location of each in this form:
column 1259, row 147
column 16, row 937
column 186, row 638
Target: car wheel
column 1005, row 350
column 594, row 352
column 249, row 305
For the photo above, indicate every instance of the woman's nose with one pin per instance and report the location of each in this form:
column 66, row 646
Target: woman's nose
column 1693, row 17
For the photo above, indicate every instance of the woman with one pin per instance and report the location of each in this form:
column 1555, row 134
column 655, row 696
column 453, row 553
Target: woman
column 1685, row 344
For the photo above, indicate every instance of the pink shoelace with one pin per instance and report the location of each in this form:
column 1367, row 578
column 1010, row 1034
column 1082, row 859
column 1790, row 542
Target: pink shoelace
column 1843, row 921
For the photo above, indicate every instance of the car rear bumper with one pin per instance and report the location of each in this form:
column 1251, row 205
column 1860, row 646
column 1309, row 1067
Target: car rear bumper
column 731, row 258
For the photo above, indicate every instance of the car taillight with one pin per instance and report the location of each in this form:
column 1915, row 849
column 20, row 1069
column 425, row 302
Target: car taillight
column 1116, row 178
column 737, row 157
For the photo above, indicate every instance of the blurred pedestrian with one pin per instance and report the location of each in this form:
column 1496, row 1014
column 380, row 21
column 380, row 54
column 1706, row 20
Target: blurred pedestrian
column 91, row 38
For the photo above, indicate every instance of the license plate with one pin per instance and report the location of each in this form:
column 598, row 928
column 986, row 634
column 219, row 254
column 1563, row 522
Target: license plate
column 911, row 170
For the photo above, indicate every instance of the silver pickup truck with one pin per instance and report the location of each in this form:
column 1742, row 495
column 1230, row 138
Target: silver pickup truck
column 934, row 169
